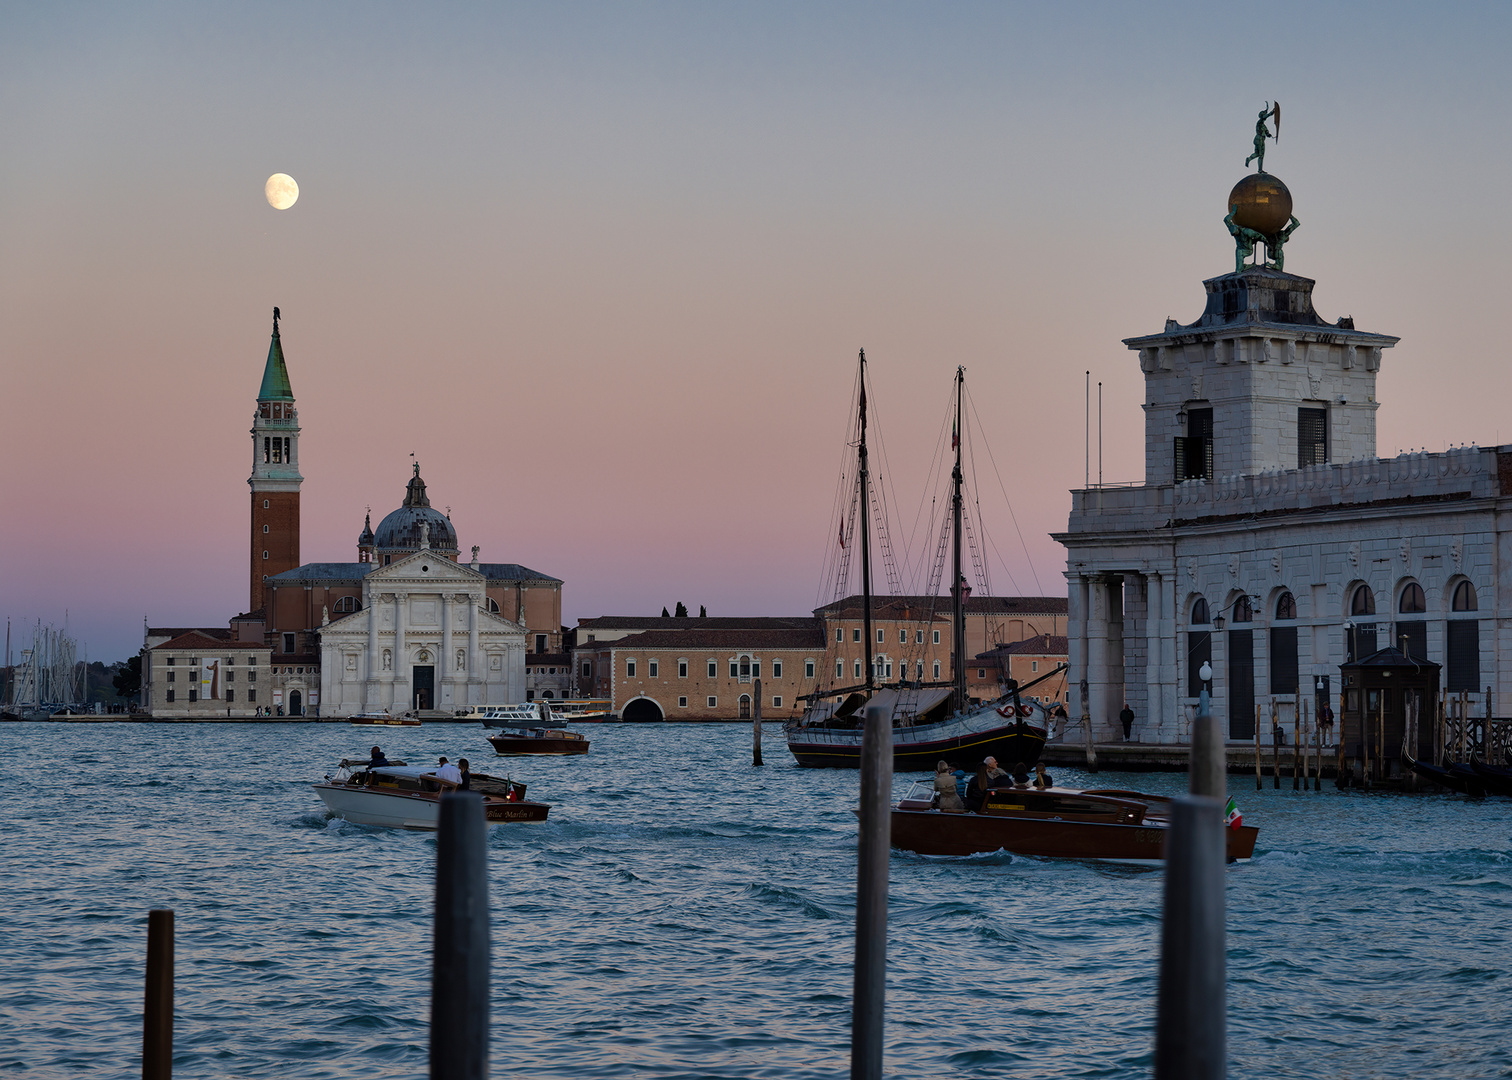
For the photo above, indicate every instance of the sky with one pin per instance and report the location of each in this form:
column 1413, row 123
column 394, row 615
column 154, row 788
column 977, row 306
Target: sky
column 605, row 268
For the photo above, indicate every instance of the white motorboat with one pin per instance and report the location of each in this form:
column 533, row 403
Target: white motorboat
column 408, row 797
column 523, row 714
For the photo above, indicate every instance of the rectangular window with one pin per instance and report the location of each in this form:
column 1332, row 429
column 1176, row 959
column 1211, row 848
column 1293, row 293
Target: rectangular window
column 858, row 669
column 1194, row 451
column 230, row 696
column 776, row 669
column 251, row 695
column 1312, row 437
column 682, row 703
column 839, row 669
column 682, row 669
column 1283, row 660
column 230, row 675
column 629, row 669
column 856, row 634
column 193, row 694
column 902, row 637
column 777, row 701
column 652, row 667
column 734, row 669
column 888, row 675
column 267, row 451
column 755, row 669
column 981, row 673
column 170, row 695
column 713, row 669
column 839, row 636
column 171, row 675
column 587, row 670
column 879, row 635
column 918, row 637
column 808, row 669
column 252, row 675
column 713, row 701
column 936, row 667
column 287, row 455
column 288, row 644
column 1034, row 665
column 937, row 635
column 540, row 643
column 919, row 669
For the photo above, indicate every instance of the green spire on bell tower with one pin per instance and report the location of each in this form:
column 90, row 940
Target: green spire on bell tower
column 275, row 383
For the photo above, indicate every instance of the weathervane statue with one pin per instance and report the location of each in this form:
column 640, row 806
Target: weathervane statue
column 1259, row 206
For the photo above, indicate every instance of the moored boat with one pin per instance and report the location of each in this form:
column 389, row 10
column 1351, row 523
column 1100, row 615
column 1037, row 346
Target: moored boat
column 1497, row 779
column 1053, row 823
column 383, row 718
column 408, row 797
column 1455, row 777
column 583, row 711
column 542, row 741
column 498, row 716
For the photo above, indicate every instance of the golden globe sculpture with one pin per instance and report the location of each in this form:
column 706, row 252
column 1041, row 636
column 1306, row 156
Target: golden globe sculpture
column 1262, row 203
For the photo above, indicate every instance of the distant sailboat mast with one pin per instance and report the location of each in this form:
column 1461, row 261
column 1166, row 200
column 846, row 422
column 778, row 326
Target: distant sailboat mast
column 866, row 607
column 957, row 589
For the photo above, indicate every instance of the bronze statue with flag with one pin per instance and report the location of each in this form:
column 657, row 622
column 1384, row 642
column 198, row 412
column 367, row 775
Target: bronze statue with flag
column 1272, row 109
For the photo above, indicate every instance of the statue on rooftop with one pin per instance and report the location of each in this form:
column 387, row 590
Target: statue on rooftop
column 1262, row 132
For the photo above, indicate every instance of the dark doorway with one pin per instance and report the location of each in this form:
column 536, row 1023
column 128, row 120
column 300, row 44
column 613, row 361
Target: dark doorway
column 745, row 706
column 642, row 711
column 296, row 703
column 424, row 686
column 1241, row 680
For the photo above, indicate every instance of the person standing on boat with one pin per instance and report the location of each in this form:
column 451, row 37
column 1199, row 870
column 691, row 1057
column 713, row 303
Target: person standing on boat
column 449, row 775
column 947, row 798
column 1127, row 716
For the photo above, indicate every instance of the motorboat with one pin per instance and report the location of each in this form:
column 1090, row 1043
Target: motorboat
column 404, row 796
column 548, row 741
column 1051, row 823
column 583, row 711
column 384, row 718
column 496, row 716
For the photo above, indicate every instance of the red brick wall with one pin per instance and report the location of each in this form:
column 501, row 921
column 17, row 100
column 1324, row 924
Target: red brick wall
column 281, row 541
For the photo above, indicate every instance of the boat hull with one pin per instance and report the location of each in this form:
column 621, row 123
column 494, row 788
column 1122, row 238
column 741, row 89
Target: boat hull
column 384, row 721
column 933, row 832
column 522, row 745
column 400, row 810
column 915, row 751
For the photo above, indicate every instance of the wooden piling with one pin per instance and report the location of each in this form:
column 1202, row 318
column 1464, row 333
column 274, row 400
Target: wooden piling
column 756, row 723
column 460, row 958
column 872, row 855
column 1275, row 747
column 1296, row 743
column 1086, row 719
column 1317, row 754
column 157, row 1014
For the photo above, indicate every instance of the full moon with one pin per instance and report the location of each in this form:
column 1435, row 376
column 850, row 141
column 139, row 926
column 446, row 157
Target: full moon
column 282, row 191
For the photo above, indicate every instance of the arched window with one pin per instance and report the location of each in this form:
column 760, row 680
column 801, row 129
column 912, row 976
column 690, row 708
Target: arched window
column 1286, row 607
column 745, row 666
column 1412, row 602
column 1199, row 612
column 347, row 604
column 1363, row 601
column 1243, row 611
column 1464, row 597
column 493, row 606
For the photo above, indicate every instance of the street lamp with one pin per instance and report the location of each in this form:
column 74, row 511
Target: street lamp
column 1208, row 762
column 1218, row 623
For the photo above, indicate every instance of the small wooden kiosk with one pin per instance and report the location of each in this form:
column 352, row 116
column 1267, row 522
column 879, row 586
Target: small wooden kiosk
column 1389, row 703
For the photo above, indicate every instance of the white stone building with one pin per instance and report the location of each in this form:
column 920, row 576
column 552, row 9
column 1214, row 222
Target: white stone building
column 423, row 639
column 1269, row 537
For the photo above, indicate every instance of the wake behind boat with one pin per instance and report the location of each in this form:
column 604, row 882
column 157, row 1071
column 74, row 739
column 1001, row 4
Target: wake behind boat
column 1053, row 823
column 408, row 797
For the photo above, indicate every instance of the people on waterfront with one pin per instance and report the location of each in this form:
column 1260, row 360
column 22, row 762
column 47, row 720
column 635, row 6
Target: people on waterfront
column 449, row 776
column 947, row 797
column 465, row 784
column 1020, row 775
column 1042, row 779
column 1127, row 717
column 977, row 788
column 1326, row 722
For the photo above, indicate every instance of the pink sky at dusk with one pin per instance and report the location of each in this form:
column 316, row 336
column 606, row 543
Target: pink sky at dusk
column 605, row 268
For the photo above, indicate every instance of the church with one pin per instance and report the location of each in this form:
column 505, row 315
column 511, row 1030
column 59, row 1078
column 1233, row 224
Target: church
column 407, row 625
column 1268, row 540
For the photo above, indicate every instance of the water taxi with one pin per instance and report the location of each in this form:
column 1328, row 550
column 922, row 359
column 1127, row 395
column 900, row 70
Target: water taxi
column 403, row 796
column 549, row 741
column 384, row 718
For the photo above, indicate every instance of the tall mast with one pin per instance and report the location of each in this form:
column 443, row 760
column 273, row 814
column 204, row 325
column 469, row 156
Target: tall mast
column 864, row 479
column 958, row 601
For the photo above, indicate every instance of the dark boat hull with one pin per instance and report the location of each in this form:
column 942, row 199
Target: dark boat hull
column 1496, row 779
column 933, row 832
column 523, row 745
column 1456, row 778
column 1010, row 744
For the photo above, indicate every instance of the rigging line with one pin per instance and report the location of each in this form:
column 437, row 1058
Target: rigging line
column 885, row 534
column 837, row 510
column 1014, row 517
column 978, row 558
column 929, row 493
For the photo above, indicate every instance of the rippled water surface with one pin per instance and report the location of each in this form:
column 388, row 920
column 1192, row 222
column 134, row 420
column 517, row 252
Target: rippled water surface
column 685, row 915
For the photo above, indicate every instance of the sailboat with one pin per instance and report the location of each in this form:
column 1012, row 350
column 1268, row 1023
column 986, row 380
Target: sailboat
column 931, row 721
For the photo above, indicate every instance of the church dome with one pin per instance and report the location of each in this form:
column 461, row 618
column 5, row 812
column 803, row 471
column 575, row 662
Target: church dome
column 400, row 531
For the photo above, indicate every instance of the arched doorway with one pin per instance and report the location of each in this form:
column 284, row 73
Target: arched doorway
column 296, row 703
column 642, row 711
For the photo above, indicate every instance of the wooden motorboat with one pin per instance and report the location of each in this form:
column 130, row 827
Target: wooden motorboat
column 1455, row 777
column 384, row 718
column 550, row 741
column 1054, row 823
column 407, row 797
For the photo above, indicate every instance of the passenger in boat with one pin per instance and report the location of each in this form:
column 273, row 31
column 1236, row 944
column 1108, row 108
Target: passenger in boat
column 465, row 784
column 1020, row 775
column 1042, row 779
column 377, row 759
column 993, row 772
column 976, row 790
column 447, row 775
column 946, row 796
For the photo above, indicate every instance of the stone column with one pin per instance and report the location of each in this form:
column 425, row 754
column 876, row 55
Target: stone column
column 402, row 698
column 1155, row 707
column 474, row 651
column 1076, row 645
column 445, row 686
column 1172, row 661
column 370, row 698
column 1097, row 657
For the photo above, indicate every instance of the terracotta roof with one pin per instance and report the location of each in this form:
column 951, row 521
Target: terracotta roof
column 198, row 639
column 810, row 638
column 1043, row 645
column 975, row 605
column 722, row 622
column 215, row 633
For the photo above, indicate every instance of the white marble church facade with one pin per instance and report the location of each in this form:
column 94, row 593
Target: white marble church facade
column 422, row 639
column 1269, row 538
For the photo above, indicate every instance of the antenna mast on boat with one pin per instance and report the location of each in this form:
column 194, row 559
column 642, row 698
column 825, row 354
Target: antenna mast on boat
column 866, row 612
column 958, row 581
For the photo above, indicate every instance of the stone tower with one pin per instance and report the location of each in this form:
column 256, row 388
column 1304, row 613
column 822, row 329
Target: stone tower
column 275, row 475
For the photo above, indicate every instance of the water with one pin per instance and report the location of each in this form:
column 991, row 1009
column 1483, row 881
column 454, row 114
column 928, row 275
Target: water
column 685, row 915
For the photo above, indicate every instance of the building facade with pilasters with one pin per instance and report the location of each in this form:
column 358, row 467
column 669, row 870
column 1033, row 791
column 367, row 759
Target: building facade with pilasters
column 1269, row 539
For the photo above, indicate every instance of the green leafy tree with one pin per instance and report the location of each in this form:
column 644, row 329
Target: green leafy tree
column 128, row 678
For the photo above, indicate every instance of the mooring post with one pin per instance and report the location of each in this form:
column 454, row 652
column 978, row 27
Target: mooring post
column 459, row 969
column 157, row 1014
column 756, row 723
column 1296, row 743
column 1190, row 1041
column 872, row 849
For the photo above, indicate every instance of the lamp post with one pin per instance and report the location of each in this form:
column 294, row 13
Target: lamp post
column 1207, row 767
column 1349, row 642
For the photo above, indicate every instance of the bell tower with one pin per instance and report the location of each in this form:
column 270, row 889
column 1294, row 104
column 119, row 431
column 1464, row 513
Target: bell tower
column 275, row 475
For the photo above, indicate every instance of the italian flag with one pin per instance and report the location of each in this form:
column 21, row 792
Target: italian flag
column 1231, row 816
